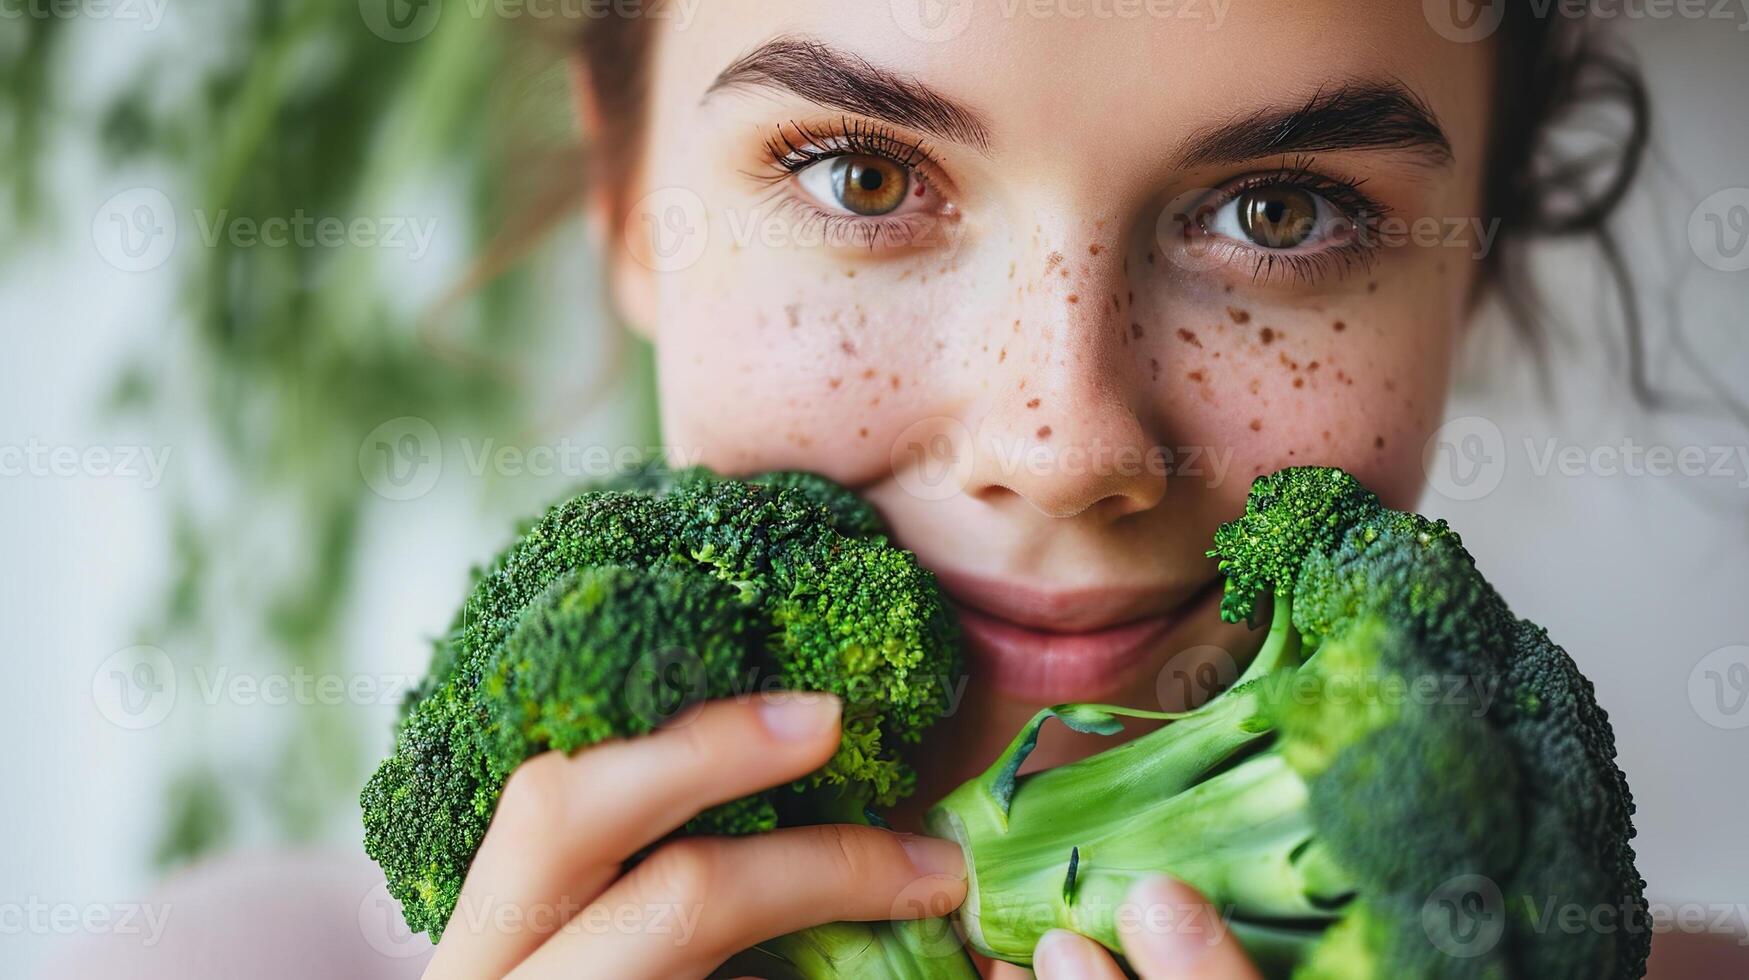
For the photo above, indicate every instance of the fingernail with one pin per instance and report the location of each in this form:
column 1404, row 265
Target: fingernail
column 934, row 856
column 1062, row 955
column 1174, row 927
column 797, row 716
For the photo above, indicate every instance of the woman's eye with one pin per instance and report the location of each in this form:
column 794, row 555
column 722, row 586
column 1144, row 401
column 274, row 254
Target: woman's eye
column 866, row 185
column 1277, row 216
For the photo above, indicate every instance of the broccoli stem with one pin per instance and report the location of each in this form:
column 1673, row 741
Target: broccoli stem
column 1207, row 799
column 919, row 949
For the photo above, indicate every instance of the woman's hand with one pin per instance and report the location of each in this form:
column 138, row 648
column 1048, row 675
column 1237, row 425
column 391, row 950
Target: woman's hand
column 547, row 894
column 1169, row 933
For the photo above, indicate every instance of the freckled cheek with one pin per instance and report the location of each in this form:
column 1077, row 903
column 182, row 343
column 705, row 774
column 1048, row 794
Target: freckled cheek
column 1357, row 388
column 793, row 378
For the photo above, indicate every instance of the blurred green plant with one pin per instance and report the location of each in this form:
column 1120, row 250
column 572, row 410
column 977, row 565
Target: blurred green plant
column 293, row 354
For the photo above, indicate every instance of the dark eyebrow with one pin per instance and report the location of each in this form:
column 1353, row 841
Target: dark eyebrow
column 1356, row 116
column 840, row 80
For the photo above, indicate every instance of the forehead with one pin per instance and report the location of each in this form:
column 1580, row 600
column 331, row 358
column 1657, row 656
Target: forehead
column 1105, row 73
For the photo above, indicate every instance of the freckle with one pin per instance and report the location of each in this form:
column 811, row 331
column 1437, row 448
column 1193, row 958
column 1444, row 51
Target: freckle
column 1229, row 289
column 1378, row 442
column 1073, row 298
column 1065, row 273
column 895, row 382
column 1002, row 355
column 1053, row 260
column 794, row 312
column 1255, row 385
column 1266, row 335
column 862, row 432
column 1154, row 363
column 1011, row 270
column 850, row 273
column 1017, row 326
column 1299, row 382
column 1238, row 315
column 1256, row 425
column 1033, row 404
column 1094, row 249
column 1188, row 337
column 1196, row 376
column 868, row 373
column 834, row 382
column 1022, row 384
column 1390, row 386
column 1339, row 326
column 905, row 275
column 1136, row 330
column 876, row 400
column 1217, row 355
column 1292, row 453
column 1044, row 432
column 1312, row 366
column 847, row 347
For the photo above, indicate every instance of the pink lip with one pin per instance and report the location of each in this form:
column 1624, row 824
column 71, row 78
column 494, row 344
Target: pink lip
column 1048, row 646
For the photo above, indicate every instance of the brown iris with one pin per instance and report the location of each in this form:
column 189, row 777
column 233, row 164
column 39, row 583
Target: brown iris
column 869, row 185
column 1277, row 217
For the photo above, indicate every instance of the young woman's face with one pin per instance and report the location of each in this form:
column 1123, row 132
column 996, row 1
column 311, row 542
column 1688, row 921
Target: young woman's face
column 1051, row 285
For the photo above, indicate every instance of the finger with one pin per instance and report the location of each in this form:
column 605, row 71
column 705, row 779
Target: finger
column 565, row 824
column 1173, row 933
column 697, row 901
column 1064, row 955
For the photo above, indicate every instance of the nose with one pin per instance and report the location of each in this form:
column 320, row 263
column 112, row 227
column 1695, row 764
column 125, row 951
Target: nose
column 1065, row 430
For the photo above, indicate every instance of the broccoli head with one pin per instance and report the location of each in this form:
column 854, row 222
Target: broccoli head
column 621, row 606
column 1406, row 781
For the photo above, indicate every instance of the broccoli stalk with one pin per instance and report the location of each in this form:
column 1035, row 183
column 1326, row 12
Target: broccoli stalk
column 1404, row 767
column 620, row 607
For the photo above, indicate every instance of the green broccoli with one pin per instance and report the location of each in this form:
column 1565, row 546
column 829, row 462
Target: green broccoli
column 1406, row 782
column 621, row 606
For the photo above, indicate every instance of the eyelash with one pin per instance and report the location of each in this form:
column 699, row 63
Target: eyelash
column 1362, row 211
column 795, row 147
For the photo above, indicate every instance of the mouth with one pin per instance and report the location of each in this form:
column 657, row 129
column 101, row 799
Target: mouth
column 1049, row 646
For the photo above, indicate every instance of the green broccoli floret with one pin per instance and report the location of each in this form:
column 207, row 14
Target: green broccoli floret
column 1408, row 781
column 621, row 606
